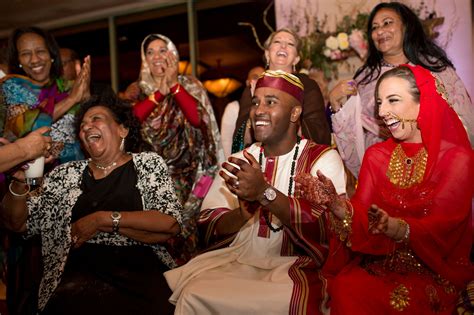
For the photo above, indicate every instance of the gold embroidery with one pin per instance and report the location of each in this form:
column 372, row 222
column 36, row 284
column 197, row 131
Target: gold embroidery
column 441, row 89
column 399, row 298
column 405, row 172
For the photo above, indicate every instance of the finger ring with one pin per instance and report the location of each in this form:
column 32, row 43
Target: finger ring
column 236, row 184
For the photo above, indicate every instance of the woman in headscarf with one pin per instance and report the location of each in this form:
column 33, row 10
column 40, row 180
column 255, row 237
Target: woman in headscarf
column 409, row 224
column 178, row 123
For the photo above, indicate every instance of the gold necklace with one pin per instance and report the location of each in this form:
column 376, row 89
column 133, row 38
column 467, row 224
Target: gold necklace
column 404, row 171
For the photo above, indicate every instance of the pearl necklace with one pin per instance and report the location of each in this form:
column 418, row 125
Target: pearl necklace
column 103, row 168
column 290, row 185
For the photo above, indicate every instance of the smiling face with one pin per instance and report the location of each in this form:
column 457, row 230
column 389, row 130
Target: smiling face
column 34, row 57
column 155, row 55
column 274, row 115
column 388, row 32
column 100, row 134
column 396, row 101
column 281, row 53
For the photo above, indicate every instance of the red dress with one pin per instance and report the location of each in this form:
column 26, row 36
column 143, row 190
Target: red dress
column 426, row 274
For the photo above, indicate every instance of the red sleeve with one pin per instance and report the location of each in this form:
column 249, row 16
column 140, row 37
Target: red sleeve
column 144, row 108
column 187, row 103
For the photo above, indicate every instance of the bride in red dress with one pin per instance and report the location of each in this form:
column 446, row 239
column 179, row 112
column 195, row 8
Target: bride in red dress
column 401, row 244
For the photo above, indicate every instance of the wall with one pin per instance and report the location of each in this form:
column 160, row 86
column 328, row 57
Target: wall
column 456, row 33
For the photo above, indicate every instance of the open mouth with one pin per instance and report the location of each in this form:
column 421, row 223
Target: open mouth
column 93, row 138
column 392, row 124
column 282, row 53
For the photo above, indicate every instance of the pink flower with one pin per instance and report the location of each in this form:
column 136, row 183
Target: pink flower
column 358, row 43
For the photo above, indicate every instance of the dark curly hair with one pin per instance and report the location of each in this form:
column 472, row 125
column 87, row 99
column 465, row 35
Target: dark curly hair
column 417, row 46
column 122, row 113
column 51, row 44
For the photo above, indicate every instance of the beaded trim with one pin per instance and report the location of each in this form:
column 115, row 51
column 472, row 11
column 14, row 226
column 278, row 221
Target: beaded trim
column 290, row 185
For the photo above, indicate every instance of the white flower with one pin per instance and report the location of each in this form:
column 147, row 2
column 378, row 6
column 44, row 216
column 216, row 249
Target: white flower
column 332, row 43
column 327, row 52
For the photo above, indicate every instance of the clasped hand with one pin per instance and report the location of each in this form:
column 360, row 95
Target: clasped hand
column 248, row 181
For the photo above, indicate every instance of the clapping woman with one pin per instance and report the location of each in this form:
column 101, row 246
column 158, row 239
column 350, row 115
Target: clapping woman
column 178, row 123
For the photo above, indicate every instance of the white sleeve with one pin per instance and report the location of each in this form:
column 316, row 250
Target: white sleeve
column 330, row 164
column 229, row 118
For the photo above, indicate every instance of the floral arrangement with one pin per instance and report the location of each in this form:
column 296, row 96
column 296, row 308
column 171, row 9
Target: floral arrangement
column 323, row 49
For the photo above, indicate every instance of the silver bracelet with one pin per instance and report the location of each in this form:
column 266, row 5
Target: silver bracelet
column 18, row 195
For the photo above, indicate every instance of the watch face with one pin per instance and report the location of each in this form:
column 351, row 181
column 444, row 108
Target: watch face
column 270, row 194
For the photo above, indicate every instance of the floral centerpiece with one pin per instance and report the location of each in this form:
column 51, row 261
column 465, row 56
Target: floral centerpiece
column 321, row 49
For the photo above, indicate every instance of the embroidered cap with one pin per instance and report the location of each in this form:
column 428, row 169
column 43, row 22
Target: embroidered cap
column 282, row 81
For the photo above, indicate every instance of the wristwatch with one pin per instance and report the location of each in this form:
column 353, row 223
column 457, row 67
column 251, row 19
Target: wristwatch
column 269, row 194
column 116, row 216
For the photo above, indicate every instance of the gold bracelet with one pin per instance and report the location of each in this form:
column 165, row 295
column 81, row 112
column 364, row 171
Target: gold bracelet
column 401, row 223
column 177, row 90
column 343, row 227
column 18, row 195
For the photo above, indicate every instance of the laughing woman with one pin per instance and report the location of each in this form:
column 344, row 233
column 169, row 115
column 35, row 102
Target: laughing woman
column 102, row 221
column 408, row 225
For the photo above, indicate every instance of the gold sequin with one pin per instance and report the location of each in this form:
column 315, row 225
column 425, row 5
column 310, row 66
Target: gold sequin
column 399, row 298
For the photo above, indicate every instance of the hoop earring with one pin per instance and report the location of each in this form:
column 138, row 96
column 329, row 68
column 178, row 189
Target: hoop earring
column 122, row 145
column 267, row 65
column 294, row 68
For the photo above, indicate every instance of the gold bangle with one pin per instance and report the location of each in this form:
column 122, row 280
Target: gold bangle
column 18, row 195
column 405, row 236
column 177, row 89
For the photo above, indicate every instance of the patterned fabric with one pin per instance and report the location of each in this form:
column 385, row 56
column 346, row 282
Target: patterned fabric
column 50, row 213
column 192, row 154
column 26, row 106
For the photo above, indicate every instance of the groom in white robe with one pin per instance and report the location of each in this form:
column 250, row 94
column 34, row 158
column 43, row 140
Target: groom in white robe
column 268, row 245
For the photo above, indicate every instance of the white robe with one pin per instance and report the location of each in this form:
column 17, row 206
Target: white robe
column 249, row 276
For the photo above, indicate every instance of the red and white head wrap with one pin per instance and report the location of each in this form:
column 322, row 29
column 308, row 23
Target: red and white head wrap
column 282, row 81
